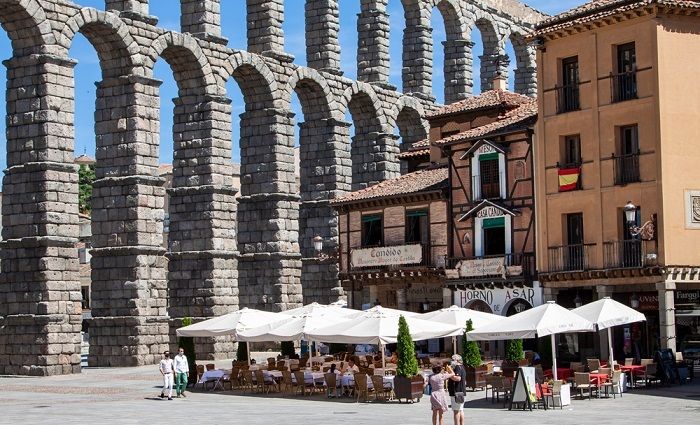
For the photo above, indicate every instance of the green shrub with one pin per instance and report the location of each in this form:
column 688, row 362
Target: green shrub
column 470, row 349
column 407, row 365
column 242, row 352
column 187, row 343
column 514, row 350
column 287, row 348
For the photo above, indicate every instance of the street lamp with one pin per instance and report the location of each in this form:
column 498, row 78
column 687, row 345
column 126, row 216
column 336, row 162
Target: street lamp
column 426, row 306
column 647, row 231
column 318, row 248
column 577, row 301
column 318, row 243
column 634, row 301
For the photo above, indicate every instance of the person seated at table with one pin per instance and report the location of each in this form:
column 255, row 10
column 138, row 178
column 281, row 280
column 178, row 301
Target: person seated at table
column 332, row 369
column 351, row 367
column 252, row 361
column 393, row 359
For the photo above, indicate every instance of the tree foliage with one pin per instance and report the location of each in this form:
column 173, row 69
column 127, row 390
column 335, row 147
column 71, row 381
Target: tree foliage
column 470, row 349
column 86, row 177
column 187, row 343
column 407, row 365
column 242, row 352
column 514, row 350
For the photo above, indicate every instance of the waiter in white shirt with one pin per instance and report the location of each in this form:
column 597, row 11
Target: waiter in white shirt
column 182, row 372
column 166, row 369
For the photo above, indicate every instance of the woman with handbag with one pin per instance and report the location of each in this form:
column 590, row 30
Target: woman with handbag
column 438, row 399
column 456, row 388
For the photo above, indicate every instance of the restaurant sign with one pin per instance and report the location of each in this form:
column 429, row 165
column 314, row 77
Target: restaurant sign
column 386, row 256
column 499, row 300
column 485, row 267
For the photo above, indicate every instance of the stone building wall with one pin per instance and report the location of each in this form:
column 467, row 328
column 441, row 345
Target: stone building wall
column 223, row 253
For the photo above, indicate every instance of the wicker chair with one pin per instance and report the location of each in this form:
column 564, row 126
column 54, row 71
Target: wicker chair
column 361, row 387
column 265, row 382
column 287, row 381
column 593, row 365
column 553, row 393
column 583, row 383
column 302, row 385
column 613, row 385
column 248, row 380
column 331, row 385
column 380, row 387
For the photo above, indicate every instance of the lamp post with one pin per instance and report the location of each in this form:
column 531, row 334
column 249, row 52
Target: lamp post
column 318, row 248
column 634, row 301
column 645, row 232
column 577, row 301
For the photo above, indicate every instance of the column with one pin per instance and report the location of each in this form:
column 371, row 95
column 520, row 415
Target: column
column 322, row 45
column 202, row 19
column 132, row 9
column 667, row 314
column 490, row 65
column 202, row 251
column 373, row 43
column 325, row 174
column 39, row 283
column 268, row 212
column 265, row 35
column 458, row 70
column 417, row 72
column 374, row 159
column 129, row 325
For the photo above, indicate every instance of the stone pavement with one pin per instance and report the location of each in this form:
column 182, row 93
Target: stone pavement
column 129, row 396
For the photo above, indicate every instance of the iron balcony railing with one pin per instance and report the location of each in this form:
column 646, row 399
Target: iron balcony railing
column 487, row 187
column 625, row 254
column 568, row 98
column 623, row 86
column 574, row 257
column 526, row 260
column 626, row 168
column 426, row 258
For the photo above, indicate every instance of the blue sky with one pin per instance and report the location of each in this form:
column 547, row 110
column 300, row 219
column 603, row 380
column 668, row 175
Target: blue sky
column 87, row 72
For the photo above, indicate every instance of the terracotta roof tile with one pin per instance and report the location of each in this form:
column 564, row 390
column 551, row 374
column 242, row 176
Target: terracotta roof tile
column 487, row 99
column 597, row 9
column 520, row 117
column 418, row 181
column 414, row 154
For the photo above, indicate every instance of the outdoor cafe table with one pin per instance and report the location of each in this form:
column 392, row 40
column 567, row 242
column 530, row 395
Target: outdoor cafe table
column 563, row 373
column 632, row 370
column 598, row 379
column 214, row 375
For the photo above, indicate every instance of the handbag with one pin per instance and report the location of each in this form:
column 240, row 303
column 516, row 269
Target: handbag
column 459, row 397
column 428, row 388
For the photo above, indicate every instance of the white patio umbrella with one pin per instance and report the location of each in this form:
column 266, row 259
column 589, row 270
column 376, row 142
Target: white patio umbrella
column 458, row 316
column 229, row 324
column 316, row 308
column 546, row 319
column 292, row 327
column 380, row 326
column 606, row 313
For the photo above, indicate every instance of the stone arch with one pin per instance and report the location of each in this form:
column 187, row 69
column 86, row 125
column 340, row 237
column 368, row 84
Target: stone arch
column 362, row 102
column 315, row 95
column 525, row 66
column 407, row 114
column 193, row 74
column 493, row 58
column 118, row 52
column 455, row 25
column 26, row 25
column 255, row 79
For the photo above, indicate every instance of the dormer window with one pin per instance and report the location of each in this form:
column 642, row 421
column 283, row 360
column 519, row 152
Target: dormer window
column 488, row 166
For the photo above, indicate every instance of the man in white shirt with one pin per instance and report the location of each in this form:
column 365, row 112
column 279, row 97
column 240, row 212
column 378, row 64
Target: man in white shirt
column 182, row 372
column 167, row 369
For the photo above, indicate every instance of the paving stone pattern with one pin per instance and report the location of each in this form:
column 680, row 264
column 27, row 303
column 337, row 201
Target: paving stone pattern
column 221, row 254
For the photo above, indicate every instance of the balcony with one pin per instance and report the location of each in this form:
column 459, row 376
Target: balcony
column 491, row 266
column 626, row 169
column 568, row 98
column 623, row 86
column 487, row 187
column 627, row 254
column 391, row 257
column 569, row 258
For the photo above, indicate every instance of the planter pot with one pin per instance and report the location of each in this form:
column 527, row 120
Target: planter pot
column 408, row 388
column 476, row 377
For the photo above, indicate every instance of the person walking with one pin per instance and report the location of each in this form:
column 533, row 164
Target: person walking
column 456, row 388
column 438, row 400
column 182, row 372
column 167, row 369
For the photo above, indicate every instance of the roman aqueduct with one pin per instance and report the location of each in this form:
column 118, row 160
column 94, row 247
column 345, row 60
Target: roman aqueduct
column 224, row 254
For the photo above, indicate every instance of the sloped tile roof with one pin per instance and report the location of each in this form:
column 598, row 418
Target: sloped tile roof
column 413, row 154
column 598, row 9
column 487, row 99
column 520, row 117
column 419, row 181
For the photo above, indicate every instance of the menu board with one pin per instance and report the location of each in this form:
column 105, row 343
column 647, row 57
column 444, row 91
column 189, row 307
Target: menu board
column 524, row 390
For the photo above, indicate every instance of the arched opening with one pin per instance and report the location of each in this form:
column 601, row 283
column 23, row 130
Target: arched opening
column 438, row 25
column 347, row 37
column 293, row 27
column 167, row 12
column 397, row 25
column 490, row 59
column 450, row 47
column 512, row 64
column 234, row 20
column 366, row 146
column 522, row 64
column 479, row 305
column 5, row 53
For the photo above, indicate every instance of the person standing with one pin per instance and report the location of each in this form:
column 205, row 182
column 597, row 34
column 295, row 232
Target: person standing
column 456, row 388
column 167, row 369
column 438, row 401
column 182, row 372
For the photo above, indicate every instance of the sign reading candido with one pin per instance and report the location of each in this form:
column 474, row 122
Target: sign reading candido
column 386, row 256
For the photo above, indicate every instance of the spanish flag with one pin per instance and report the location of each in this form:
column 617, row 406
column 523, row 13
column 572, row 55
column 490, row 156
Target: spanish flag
column 568, row 178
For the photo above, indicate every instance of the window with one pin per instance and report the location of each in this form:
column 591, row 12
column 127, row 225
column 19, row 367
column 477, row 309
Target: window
column 372, row 230
column 417, row 225
column 489, row 171
column 494, row 236
column 631, row 252
column 568, row 94
column 627, row 162
column 625, row 81
column 575, row 252
column 572, row 150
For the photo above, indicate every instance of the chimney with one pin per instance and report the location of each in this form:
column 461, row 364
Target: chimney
column 500, row 82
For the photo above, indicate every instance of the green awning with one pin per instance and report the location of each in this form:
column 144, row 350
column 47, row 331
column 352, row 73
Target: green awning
column 368, row 218
column 419, row 213
column 488, row 156
column 490, row 223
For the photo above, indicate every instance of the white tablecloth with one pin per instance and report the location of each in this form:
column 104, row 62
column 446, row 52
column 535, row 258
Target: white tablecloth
column 211, row 375
column 309, row 377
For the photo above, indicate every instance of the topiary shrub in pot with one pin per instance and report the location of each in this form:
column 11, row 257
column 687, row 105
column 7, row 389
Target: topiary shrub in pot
column 514, row 356
column 476, row 373
column 187, row 343
column 408, row 383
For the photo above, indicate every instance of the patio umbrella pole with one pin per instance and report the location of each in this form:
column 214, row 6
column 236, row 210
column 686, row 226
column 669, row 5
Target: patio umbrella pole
column 247, row 349
column 381, row 347
column 454, row 344
column 611, row 358
column 554, row 358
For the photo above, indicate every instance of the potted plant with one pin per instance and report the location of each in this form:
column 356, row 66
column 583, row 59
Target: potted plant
column 476, row 372
column 287, row 349
column 514, row 356
column 242, row 352
column 187, row 343
column 408, row 383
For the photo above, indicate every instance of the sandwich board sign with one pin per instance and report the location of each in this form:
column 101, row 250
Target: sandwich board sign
column 524, row 390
